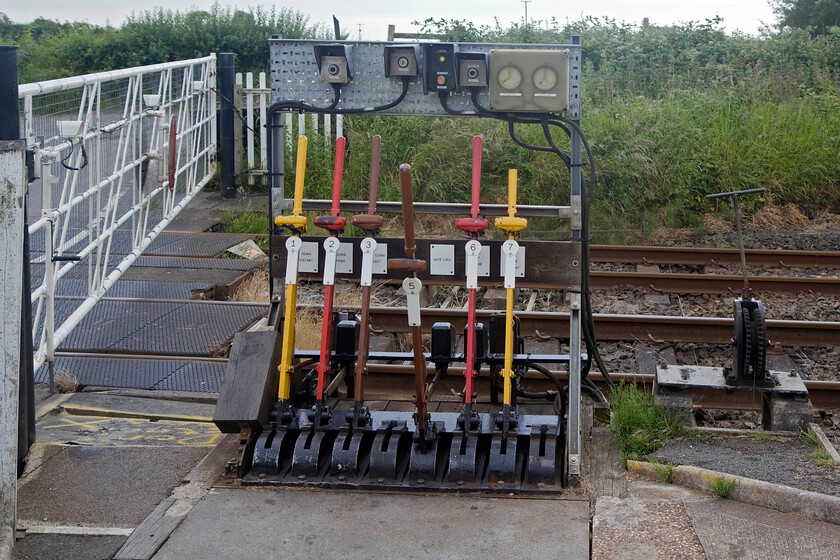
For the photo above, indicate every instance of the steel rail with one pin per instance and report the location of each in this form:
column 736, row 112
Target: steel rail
column 708, row 255
column 655, row 328
column 683, row 283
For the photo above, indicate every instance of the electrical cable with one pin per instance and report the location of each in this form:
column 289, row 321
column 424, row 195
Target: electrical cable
column 444, row 102
column 72, row 151
column 566, row 124
column 519, row 142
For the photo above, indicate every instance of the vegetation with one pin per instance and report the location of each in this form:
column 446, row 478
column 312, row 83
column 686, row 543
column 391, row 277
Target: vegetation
column 818, row 15
column 664, row 470
column 48, row 49
column 722, row 485
column 819, row 456
column 247, row 221
column 640, row 423
column 672, row 113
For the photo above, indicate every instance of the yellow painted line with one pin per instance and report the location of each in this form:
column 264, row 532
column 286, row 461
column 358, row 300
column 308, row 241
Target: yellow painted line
column 105, row 431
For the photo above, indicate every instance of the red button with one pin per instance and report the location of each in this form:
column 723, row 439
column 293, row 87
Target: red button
column 441, row 80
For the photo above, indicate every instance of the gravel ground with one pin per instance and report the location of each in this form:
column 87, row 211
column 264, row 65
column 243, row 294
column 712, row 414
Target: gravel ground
column 781, row 460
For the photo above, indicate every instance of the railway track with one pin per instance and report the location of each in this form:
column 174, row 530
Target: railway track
column 705, row 256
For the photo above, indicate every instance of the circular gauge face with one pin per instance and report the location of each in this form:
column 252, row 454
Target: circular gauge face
column 545, row 78
column 509, row 77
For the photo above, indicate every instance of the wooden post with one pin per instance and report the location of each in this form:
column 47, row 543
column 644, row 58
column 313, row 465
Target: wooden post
column 12, row 191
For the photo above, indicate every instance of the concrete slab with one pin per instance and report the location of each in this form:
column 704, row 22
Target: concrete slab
column 98, row 404
column 286, row 523
column 61, row 547
column 729, row 529
column 110, row 486
column 640, row 529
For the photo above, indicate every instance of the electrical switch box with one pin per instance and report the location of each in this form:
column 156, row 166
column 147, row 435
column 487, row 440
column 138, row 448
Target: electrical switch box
column 335, row 63
column 472, row 69
column 529, row 80
column 402, row 60
column 440, row 67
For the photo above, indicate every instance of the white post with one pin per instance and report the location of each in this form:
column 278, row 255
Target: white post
column 301, row 124
column 327, row 129
column 249, row 119
column 314, row 124
column 339, row 125
column 263, row 129
column 12, row 179
column 288, row 117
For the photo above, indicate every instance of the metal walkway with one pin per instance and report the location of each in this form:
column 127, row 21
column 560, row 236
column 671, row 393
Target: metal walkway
column 158, row 328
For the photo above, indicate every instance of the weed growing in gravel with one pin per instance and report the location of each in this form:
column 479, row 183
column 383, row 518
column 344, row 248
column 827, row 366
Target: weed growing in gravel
column 809, row 438
column 701, row 435
column 640, row 423
column 664, row 470
column 722, row 486
column 820, row 457
column 761, row 436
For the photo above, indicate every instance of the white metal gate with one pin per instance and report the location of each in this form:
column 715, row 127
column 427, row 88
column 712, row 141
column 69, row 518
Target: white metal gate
column 118, row 155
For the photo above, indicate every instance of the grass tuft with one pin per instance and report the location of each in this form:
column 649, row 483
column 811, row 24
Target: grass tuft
column 820, row 457
column 664, row 470
column 761, row 435
column 640, row 423
column 722, row 486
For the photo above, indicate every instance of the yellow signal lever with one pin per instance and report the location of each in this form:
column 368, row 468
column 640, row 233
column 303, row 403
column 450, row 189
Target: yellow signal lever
column 297, row 221
column 509, row 224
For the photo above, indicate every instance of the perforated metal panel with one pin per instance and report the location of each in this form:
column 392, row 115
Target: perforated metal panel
column 294, row 76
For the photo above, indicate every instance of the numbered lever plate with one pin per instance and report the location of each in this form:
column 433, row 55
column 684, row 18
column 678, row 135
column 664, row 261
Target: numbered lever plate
column 412, row 287
column 510, row 248
column 368, row 247
column 331, row 245
column 473, row 250
column 293, row 245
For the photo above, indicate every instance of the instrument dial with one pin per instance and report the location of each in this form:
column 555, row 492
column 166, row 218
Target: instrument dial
column 545, row 78
column 510, row 77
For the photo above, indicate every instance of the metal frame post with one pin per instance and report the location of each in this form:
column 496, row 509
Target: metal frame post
column 573, row 431
column 13, row 181
column 227, row 77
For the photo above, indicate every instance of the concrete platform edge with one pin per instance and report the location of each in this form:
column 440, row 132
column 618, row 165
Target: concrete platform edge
column 819, row 507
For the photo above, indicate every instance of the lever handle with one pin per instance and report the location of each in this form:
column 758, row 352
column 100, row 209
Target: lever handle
column 512, row 180
column 375, row 151
column 408, row 209
column 476, row 175
column 300, row 170
column 338, row 174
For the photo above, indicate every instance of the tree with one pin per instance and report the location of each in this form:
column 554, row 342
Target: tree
column 819, row 15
